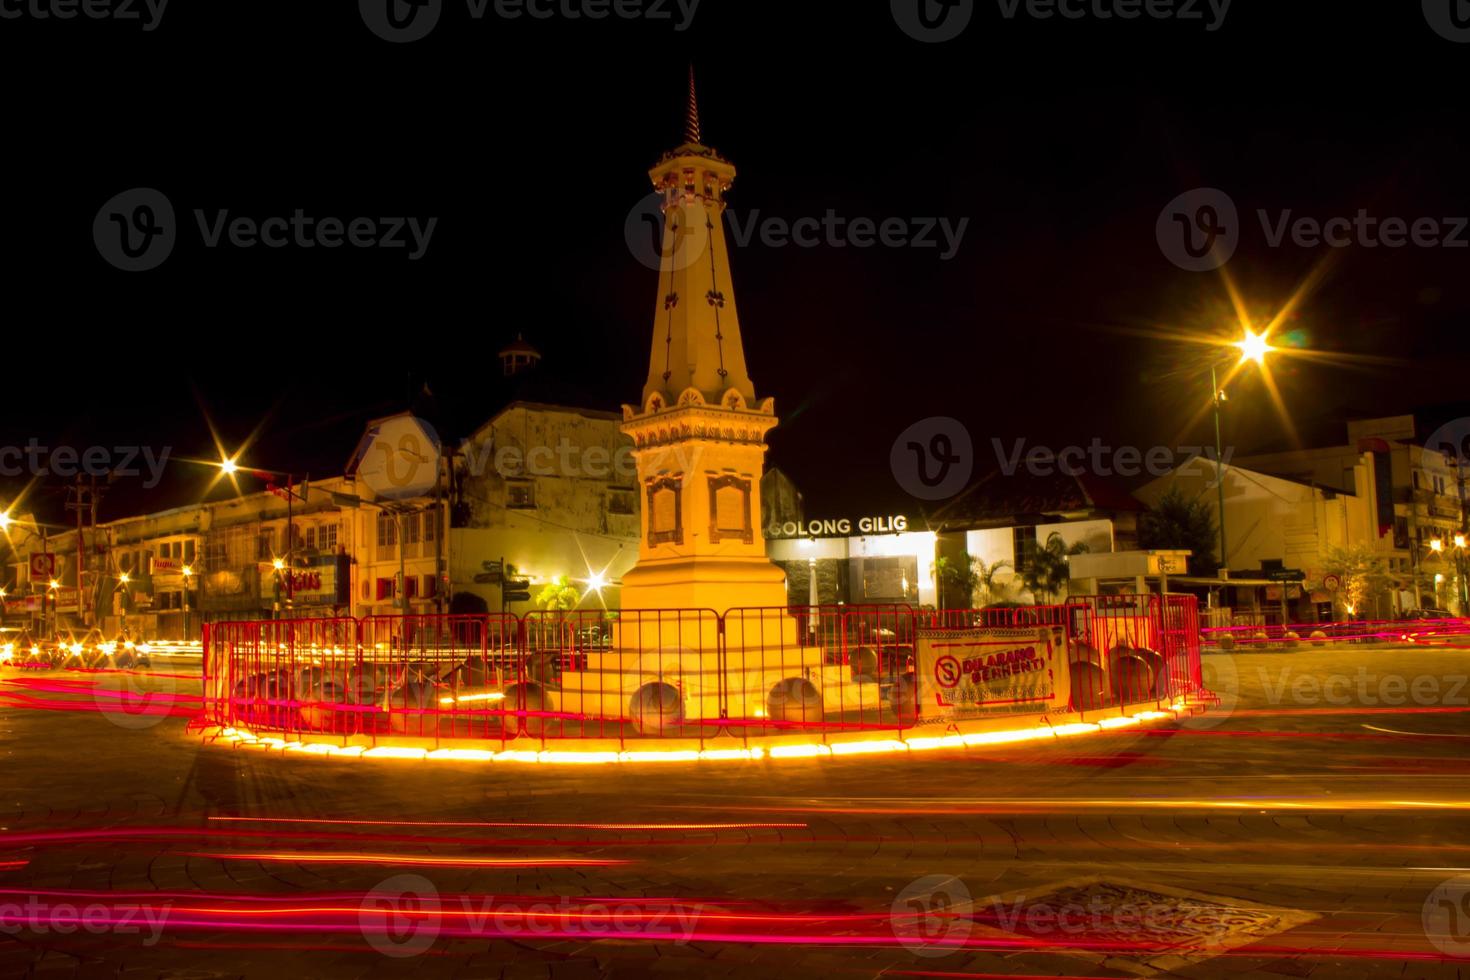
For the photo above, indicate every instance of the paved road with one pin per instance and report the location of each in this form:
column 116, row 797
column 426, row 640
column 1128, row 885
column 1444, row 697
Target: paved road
column 1304, row 831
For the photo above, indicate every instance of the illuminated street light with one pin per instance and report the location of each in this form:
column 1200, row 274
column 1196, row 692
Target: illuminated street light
column 1436, row 545
column 229, row 466
column 1459, row 541
column 124, row 578
column 5, row 521
column 1253, row 347
column 278, row 564
column 54, row 585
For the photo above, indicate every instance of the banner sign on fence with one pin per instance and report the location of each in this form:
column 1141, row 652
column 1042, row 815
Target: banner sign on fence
column 978, row 672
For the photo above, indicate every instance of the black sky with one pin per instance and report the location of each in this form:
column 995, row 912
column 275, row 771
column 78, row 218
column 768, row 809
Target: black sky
column 1061, row 142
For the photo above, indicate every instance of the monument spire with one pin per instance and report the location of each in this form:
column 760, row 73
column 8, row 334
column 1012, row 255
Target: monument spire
column 691, row 121
column 699, row 433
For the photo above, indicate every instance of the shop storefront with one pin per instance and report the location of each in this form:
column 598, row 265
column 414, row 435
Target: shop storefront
column 854, row 561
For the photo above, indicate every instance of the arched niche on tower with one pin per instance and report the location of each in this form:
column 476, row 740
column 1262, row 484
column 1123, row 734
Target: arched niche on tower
column 729, row 509
column 665, row 511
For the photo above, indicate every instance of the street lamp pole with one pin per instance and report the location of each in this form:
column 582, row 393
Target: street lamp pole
column 1219, row 466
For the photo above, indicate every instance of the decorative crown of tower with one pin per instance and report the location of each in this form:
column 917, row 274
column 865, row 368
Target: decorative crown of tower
column 697, row 357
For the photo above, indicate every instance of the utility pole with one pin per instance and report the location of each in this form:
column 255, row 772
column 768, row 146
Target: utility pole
column 83, row 499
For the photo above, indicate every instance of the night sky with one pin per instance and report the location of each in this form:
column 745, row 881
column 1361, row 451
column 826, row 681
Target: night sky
column 1060, row 141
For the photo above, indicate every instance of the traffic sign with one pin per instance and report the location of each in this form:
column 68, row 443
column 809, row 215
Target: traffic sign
column 43, row 567
column 516, row 590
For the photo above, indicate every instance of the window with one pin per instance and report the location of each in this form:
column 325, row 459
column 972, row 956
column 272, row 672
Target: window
column 620, row 501
column 1023, row 543
column 411, row 587
column 387, row 531
column 520, row 495
column 267, row 547
column 430, row 587
column 431, row 525
column 411, row 532
column 385, row 589
column 189, row 552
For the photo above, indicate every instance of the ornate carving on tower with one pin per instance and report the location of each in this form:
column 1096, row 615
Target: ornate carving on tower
column 699, row 431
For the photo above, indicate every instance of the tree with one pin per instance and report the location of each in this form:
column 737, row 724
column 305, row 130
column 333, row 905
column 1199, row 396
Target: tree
column 1046, row 574
column 558, row 595
column 1362, row 573
column 1178, row 523
column 958, row 574
column 989, row 589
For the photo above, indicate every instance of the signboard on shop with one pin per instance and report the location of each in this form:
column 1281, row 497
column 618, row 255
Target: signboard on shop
column 980, row 672
column 312, row 585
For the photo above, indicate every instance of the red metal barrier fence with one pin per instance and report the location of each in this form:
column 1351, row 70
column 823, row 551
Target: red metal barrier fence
column 687, row 673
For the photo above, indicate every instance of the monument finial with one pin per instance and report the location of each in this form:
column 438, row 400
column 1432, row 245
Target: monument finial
column 691, row 122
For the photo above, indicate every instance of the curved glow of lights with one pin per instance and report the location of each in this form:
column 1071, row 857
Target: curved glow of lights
column 242, row 738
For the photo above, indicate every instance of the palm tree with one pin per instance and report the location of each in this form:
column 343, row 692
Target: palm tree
column 1047, row 572
column 986, row 583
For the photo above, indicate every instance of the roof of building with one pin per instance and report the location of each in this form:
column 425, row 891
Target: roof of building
column 519, row 346
column 1021, row 496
